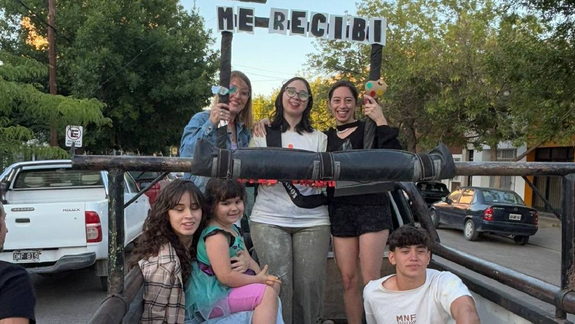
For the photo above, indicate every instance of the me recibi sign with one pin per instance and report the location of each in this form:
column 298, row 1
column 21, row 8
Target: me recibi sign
column 304, row 23
column 74, row 135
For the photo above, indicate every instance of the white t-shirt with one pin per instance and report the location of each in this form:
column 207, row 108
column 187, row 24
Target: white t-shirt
column 273, row 205
column 428, row 304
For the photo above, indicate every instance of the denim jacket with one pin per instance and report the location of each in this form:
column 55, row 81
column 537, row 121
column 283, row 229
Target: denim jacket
column 200, row 126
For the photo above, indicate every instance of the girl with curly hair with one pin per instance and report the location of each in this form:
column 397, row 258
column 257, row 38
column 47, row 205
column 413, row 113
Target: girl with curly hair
column 166, row 249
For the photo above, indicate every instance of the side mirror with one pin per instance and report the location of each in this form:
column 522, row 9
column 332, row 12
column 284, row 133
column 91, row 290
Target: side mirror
column 3, row 190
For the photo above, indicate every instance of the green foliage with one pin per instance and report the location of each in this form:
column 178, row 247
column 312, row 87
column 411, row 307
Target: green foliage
column 148, row 61
column 26, row 112
column 464, row 72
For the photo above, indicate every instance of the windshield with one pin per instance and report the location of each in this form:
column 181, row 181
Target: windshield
column 501, row 196
column 432, row 187
column 63, row 177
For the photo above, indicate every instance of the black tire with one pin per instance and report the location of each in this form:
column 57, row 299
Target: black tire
column 434, row 215
column 521, row 239
column 469, row 231
column 104, row 283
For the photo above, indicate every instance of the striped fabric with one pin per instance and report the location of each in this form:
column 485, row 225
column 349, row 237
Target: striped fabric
column 163, row 288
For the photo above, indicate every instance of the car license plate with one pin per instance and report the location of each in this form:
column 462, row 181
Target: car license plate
column 515, row 216
column 26, row 256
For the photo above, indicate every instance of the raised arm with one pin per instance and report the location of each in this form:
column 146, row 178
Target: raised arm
column 203, row 125
column 463, row 311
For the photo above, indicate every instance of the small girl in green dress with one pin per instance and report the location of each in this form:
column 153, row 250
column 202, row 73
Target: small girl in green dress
column 215, row 290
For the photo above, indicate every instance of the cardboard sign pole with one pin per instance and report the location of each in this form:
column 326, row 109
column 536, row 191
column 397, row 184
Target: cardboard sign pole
column 225, row 71
column 374, row 74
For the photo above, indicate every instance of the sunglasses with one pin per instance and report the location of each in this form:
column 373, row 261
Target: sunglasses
column 302, row 95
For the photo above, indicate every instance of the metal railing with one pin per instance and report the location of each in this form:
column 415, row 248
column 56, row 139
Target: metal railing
column 563, row 297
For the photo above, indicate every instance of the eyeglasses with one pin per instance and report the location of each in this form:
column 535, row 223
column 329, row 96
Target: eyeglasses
column 302, row 95
column 243, row 93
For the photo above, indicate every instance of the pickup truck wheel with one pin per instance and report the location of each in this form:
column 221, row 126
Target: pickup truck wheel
column 521, row 239
column 104, row 283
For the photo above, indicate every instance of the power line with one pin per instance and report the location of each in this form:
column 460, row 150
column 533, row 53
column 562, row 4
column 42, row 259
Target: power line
column 36, row 16
column 267, row 76
column 254, row 68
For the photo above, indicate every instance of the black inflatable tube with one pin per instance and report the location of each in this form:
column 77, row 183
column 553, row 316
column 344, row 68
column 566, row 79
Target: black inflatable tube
column 355, row 165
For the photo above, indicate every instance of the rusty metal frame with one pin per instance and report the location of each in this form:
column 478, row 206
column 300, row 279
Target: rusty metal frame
column 563, row 298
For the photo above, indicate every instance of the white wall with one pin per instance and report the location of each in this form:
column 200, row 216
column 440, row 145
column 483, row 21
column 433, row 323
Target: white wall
column 518, row 184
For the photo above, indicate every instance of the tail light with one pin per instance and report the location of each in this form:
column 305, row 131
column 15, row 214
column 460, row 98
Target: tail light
column 536, row 218
column 488, row 214
column 93, row 227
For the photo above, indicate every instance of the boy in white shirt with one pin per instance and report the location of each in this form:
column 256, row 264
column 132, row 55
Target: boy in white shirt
column 416, row 294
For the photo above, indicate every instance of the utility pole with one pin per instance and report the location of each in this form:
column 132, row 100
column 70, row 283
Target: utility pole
column 52, row 64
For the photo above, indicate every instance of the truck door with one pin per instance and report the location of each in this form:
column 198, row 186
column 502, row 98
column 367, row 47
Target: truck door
column 136, row 212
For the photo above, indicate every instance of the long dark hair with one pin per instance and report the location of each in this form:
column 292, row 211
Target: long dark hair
column 279, row 121
column 218, row 190
column 157, row 230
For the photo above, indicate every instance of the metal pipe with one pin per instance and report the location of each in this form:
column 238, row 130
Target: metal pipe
column 567, row 236
column 179, row 164
column 516, row 280
column 418, row 203
column 114, row 308
column 116, row 232
column 143, row 191
column 538, row 193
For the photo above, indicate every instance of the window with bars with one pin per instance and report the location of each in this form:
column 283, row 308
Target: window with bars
column 504, row 155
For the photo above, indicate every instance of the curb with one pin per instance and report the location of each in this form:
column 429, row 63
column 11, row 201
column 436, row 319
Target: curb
column 548, row 220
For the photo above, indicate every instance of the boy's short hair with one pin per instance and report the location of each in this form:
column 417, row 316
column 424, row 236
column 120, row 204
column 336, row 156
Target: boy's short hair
column 408, row 235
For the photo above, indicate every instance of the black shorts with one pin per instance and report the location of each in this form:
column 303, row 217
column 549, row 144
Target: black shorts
column 355, row 220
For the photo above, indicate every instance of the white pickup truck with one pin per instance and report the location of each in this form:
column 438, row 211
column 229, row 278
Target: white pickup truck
column 58, row 216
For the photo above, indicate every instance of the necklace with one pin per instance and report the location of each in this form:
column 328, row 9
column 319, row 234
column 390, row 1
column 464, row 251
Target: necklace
column 340, row 129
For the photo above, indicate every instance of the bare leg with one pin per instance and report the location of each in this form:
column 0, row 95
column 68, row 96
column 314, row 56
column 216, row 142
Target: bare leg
column 371, row 246
column 347, row 255
column 267, row 311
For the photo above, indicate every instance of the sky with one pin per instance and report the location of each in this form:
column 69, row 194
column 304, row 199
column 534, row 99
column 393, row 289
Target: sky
column 269, row 59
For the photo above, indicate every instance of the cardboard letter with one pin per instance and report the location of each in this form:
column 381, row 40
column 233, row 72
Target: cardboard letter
column 278, row 21
column 358, row 30
column 225, row 19
column 318, row 24
column 298, row 23
column 336, row 27
column 246, row 20
column 377, row 28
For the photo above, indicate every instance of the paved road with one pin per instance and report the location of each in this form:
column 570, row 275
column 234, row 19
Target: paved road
column 540, row 258
column 72, row 298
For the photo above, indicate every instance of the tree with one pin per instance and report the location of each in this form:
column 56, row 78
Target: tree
column 26, row 112
column 149, row 61
column 464, row 72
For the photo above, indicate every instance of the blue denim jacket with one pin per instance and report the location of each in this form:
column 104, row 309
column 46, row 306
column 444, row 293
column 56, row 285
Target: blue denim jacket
column 200, row 126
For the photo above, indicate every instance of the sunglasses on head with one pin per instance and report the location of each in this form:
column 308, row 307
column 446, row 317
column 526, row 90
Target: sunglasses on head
column 302, row 95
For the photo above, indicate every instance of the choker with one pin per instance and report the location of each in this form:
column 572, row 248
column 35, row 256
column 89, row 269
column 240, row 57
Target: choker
column 342, row 128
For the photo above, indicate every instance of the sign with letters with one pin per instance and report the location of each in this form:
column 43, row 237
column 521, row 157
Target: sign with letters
column 74, row 134
column 303, row 23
